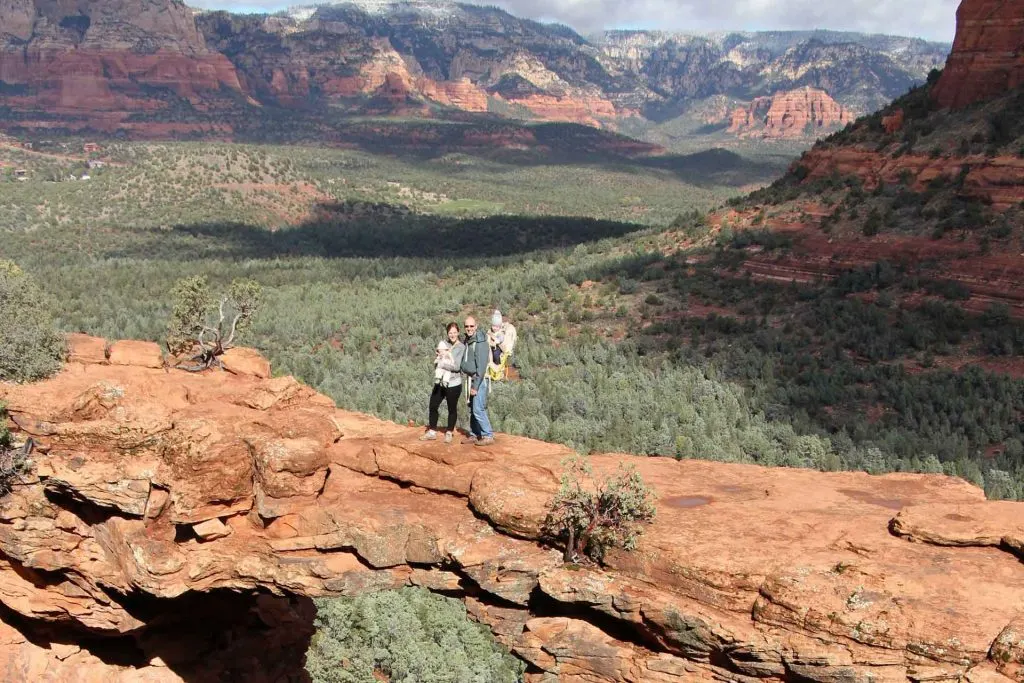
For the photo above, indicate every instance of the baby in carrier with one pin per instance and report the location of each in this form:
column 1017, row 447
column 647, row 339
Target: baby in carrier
column 502, row 339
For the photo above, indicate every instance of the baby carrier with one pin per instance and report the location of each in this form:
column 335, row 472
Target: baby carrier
column 502, row 344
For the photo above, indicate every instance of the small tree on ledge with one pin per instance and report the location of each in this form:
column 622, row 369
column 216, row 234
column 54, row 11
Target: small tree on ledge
column 591, row 516
column 192, row 328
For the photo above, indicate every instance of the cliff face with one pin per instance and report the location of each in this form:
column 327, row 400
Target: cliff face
column 73, row 57
column 79, row 63
column 861, row 72
column 795, row 113
column 154, row 493
column 988, row 53
column 888, row 150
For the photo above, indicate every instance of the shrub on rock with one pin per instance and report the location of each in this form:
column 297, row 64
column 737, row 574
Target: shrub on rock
column 31, row 348
column 590, row 515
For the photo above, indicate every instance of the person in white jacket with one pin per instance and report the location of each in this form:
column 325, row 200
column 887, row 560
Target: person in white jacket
column 447, row 383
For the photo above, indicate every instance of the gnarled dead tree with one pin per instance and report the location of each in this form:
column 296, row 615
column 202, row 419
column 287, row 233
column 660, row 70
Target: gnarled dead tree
column 204, row 327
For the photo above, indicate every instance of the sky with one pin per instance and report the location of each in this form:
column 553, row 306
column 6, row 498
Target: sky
column 931, row 19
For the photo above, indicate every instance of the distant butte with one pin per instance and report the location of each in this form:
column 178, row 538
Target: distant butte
column 789, row 114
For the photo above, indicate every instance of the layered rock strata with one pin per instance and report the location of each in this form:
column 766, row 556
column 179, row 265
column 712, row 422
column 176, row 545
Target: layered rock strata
column 988, row 53
column 790, row 114
column 151, row 486
column 74, row 58
column 998, row 180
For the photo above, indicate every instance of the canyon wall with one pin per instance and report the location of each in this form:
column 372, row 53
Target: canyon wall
column 72, row 58
column 988, row 52
column 153, row 66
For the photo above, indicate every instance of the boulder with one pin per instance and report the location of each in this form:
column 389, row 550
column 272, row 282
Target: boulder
column 211, row 529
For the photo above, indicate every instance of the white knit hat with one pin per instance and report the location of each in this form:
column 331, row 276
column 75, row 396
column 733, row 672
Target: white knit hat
column 496, row 317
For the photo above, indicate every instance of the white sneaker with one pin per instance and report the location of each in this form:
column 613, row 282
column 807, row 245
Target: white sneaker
column 431, row 435
column 448, row 437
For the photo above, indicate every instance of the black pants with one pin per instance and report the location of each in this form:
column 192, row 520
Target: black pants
column 450, row 394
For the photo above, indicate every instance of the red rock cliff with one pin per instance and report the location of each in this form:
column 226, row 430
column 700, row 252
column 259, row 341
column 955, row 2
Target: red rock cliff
column 793, row 113
column 164, row 504
column 988, row 52
column 102, row 57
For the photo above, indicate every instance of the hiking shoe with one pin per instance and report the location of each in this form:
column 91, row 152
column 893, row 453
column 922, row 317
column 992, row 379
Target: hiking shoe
column 448, row 437
column 429, row 436
column 485, row 441
column 472, row 438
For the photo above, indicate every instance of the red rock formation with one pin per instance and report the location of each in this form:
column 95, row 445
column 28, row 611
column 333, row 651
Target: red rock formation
column 789, row 114
column 988, row 53
column 387, row 78
column 991, row 278
column 588, row 110
column 153, row 490
column 95, row 65
column 893, row 122
column 998, row 180
column 83, row 81
column 461, row 94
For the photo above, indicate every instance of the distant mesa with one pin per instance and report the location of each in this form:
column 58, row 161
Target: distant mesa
column 82, row 59
column 789, row 114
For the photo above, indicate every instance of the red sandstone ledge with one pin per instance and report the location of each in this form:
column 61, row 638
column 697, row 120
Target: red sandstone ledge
column 748, row 573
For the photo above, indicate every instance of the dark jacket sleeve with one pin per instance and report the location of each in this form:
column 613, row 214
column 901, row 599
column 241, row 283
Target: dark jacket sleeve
column 483, row 357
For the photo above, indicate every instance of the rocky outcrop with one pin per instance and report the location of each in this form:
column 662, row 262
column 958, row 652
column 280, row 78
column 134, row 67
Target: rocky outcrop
column 805, row 112
column 999, row 181
column 590, row 111
column 893, row 122
column 461, row 94
column 388, row 78
column 164, row 504
column 988, row 53
column 106, row 57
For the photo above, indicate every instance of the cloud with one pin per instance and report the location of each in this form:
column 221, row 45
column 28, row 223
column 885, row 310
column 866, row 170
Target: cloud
column 932, row 19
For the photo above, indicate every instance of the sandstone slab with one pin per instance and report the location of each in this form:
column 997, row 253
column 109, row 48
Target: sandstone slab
column 136, row 353
column 243, row 361
column 83, row 348
column 168, row 484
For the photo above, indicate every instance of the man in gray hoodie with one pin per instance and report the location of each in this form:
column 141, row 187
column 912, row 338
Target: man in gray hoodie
column 474, row 364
